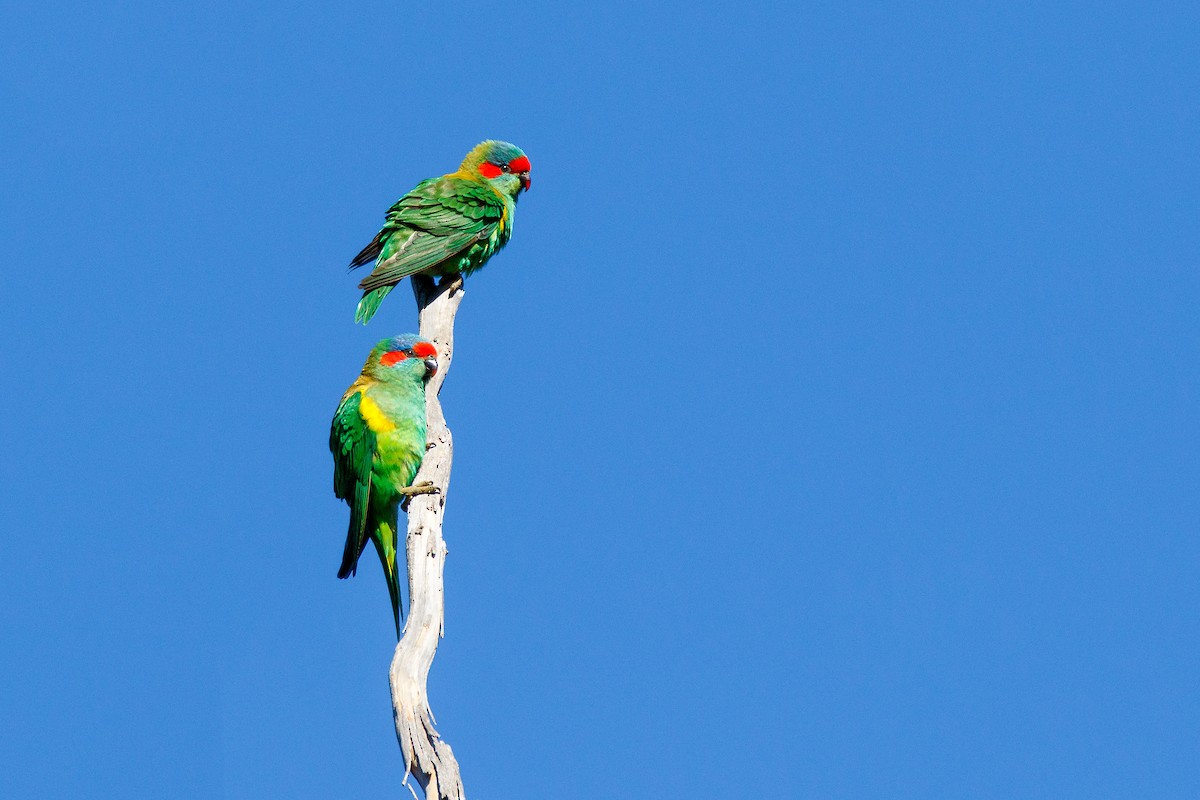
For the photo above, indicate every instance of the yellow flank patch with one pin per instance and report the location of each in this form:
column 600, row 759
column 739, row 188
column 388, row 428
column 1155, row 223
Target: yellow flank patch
column 373, row 415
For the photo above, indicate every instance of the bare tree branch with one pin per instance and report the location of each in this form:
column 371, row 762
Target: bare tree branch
column 426, row 756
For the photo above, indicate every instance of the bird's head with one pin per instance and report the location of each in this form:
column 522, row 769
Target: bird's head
column 406, row 355
column 502, row 164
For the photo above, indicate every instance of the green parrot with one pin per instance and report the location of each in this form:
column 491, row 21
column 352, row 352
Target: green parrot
column 378, row 441
column 452, row 224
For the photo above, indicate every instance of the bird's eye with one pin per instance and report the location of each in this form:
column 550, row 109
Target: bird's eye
column 504, row 168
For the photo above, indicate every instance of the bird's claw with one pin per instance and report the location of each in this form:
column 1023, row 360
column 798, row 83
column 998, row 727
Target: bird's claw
column 424, row 487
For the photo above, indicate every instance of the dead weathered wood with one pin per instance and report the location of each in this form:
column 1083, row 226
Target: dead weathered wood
column 427, row 757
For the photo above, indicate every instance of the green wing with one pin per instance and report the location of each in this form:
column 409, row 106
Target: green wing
column 437, row 221
column 353, row 446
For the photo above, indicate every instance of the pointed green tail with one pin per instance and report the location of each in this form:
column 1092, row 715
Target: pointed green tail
column 369, row 303
column 386, row 537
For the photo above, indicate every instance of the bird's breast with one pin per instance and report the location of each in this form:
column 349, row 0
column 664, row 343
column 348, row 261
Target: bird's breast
column 375, row 417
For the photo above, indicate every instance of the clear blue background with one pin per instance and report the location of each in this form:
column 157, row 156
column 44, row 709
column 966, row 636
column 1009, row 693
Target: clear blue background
column 828, row 429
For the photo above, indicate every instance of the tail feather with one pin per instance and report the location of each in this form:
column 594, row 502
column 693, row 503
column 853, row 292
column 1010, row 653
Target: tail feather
column 369, row 303
column 385, row 544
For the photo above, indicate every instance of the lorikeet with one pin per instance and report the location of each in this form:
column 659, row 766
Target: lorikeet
column 445, row 225
column 378, row 440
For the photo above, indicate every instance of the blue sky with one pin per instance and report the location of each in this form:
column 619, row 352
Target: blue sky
column 828, row 429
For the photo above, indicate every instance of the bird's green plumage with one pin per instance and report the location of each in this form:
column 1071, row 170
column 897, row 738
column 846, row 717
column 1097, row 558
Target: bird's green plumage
column 378, row 441
column 452, row 224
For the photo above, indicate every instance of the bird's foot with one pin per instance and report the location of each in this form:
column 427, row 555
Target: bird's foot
column 424, row 487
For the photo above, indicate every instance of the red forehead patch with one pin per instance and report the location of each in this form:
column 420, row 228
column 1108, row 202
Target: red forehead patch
column 424, row 349
column 489, row 170
column 392, row 358
column 519, row 164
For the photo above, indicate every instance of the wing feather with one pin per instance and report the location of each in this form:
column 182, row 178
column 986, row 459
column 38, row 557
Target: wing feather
column 437, row 221
column 352, row 443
